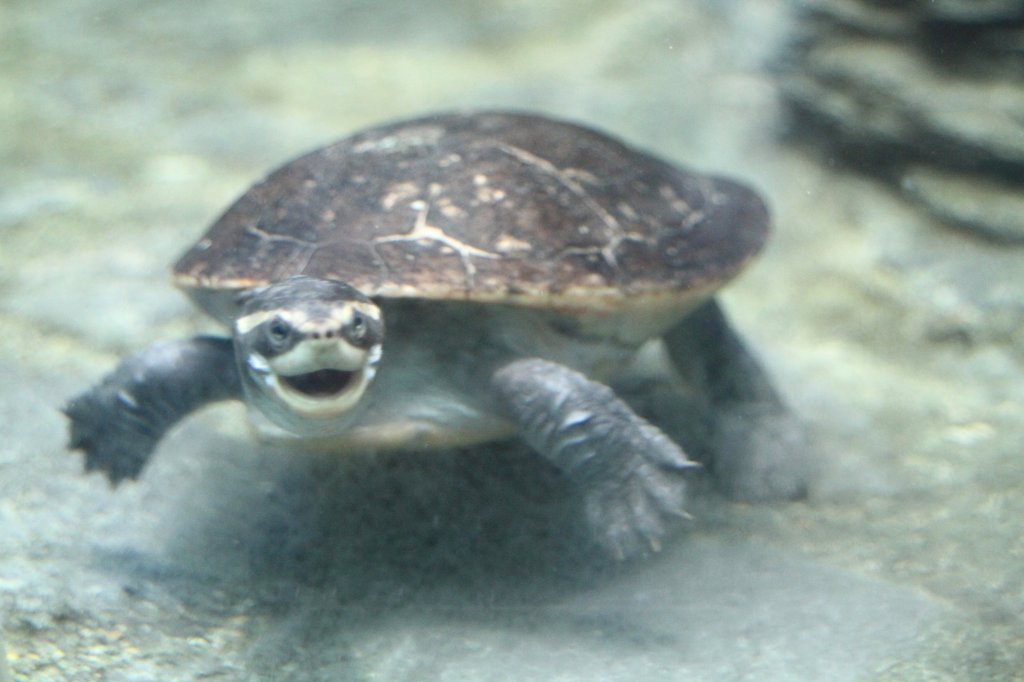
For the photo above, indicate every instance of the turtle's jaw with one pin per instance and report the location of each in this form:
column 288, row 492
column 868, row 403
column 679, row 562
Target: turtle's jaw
column 323, row 381
column 317, row 380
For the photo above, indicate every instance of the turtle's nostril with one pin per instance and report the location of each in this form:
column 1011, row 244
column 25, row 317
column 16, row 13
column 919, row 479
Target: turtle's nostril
column 329, row 334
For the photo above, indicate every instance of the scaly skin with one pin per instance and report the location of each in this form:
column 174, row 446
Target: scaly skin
column 629, row 473
column 119, row 422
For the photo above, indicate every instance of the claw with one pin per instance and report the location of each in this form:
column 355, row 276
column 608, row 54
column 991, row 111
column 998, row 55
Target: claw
column 630, row 472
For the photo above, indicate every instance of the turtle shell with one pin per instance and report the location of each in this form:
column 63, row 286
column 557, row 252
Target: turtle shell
column 488, row 207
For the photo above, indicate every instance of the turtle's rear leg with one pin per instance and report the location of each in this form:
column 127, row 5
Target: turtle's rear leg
column 756, row 447
column 118, row 422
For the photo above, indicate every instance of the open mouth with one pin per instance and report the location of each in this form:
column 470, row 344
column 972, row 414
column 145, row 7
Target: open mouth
column 315, row 381
column 322, row 383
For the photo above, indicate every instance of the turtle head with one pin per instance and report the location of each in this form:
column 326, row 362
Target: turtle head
column 307, row 350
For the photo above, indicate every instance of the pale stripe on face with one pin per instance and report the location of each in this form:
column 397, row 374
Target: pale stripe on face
column 340, row 315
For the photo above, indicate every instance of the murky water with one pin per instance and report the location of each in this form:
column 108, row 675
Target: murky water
column 888, row 307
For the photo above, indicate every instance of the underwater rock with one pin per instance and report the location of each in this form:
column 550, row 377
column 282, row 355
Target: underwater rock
column 890, row 87
column 987, row 206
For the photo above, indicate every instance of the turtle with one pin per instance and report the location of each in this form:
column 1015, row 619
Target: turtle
column 518, row 264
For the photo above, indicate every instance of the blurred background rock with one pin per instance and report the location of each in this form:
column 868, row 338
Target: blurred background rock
column 927, row 95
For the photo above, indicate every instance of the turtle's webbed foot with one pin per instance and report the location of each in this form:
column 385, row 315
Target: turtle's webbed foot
column 757, row 448
column 763, row 453
column 119, row 422
column 107, row 425
column 630, row 474
column 633, row 487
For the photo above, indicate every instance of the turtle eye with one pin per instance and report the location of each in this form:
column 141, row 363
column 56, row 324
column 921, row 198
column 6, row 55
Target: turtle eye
column 357, row 326
column 278, row 330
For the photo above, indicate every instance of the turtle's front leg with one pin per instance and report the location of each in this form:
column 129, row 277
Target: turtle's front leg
column 118, row 422
column 630, row 473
